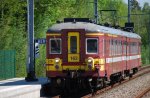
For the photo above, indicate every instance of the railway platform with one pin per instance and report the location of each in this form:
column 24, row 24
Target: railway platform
column 19, row 88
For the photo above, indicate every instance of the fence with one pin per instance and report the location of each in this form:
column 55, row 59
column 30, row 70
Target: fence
column 7, row 64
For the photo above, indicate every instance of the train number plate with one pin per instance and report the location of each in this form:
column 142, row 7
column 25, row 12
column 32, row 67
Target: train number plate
column 73, row 57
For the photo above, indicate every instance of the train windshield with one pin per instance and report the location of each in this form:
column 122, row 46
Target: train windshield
column 73, row 44
column 55, row 46
column 92, row 45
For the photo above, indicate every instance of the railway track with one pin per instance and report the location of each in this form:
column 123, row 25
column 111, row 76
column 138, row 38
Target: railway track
column 144, row 67
column 142, row 71
column 140, row 95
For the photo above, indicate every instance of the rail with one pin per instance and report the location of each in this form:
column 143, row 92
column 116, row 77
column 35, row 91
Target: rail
column 143, row 93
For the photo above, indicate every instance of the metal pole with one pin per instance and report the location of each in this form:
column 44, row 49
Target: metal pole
column 149, row 37
column 30, row 66
column 95, row 11
column 129, row 11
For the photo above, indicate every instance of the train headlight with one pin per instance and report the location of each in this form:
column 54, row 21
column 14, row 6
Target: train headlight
column 57, row 60
column 89, row 60
column 57, row 63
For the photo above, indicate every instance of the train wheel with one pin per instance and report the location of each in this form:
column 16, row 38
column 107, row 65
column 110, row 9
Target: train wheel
column 120, row 79
column 130, row 75
column 91, row 82
column 100, row 83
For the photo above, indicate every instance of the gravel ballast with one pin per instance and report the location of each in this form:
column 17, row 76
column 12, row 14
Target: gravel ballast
column 130, row 89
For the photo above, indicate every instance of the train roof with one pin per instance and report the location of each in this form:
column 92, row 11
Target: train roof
column 91, row 28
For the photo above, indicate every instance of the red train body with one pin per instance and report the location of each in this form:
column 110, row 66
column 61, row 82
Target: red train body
column 88, row 50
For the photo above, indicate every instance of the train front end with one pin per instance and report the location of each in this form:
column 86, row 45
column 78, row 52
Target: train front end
column 73, row 51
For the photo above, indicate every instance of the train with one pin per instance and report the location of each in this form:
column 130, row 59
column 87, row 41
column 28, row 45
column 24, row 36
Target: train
column 80, row 53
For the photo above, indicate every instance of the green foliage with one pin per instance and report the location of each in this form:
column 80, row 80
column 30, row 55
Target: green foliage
column 13, row 23
column 12, row 29
column 145, row 57
column 111, row 17
column 142, row 24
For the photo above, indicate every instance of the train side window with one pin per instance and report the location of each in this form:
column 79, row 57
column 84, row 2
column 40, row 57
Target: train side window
column 120, row 48
column 55, row 46
column 91, row 45
column 130, row 50
column 139, row 50
column 116, row 47
column 128, row 46
column 110, row 49
column 124, row 47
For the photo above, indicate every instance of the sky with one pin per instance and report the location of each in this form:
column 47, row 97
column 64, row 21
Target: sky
column 141, row 2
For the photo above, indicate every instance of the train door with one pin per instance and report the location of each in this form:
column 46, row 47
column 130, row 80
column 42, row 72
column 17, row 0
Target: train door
column 73, row 49
column 127, row 54
column 124, row 53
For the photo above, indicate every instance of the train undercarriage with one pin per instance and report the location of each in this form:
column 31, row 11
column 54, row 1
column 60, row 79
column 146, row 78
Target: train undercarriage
column 74, row 83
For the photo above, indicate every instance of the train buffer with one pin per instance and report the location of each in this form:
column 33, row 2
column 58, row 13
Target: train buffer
column 19, row 88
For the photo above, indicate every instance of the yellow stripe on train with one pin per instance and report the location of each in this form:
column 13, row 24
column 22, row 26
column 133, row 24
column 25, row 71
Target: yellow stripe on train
column 53, row 68
column 96, row 61
column 53, row 34
column 51, row 65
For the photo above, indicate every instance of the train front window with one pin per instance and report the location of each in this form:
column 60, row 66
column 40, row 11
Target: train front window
column 73, row 44
column 55, row 46
column 92, row 45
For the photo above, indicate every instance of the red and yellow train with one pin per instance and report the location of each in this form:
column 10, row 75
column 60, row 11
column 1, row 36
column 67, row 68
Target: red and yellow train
column 83, row 51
